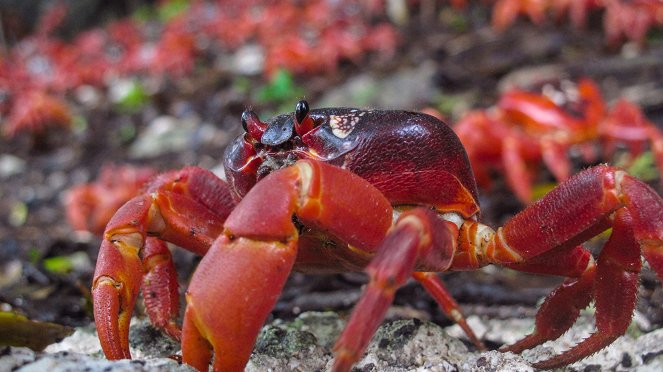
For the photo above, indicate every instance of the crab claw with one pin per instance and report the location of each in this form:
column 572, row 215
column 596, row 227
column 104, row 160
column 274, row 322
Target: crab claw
column 131, row 255
column 239, row 280
column 235, row 287
column 117, row 281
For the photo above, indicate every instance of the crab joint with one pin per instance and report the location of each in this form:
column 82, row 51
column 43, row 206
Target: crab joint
column 127, row 243
column 107, row 280
column 306, row 178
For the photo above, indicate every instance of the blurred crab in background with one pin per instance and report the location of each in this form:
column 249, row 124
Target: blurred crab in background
column 89, row 207
column 34, row 112
column 526, row 129
column 340, row 189
column 630, row 19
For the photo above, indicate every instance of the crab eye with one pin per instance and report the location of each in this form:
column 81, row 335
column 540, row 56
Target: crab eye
column 303, row 122
column 301, row 110
column 245, row 118
column 252, row 124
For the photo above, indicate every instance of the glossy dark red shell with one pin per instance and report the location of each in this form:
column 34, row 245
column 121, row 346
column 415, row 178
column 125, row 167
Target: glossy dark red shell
column 412, row 158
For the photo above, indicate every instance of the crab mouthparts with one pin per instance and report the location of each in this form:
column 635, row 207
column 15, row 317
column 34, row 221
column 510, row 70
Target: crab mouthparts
column 273, row 163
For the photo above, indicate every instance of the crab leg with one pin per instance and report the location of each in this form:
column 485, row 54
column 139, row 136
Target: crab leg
column 555, row 158
column 160, row 288
column 172, row 212
column 237, row 283
column 562, row 307
column 577, row 206
column 518, row 176
column 561, row 217
column 434, row 286
column 616, row 290
column 418, row 236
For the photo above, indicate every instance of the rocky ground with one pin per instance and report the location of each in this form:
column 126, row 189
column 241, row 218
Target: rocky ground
column 305, row 343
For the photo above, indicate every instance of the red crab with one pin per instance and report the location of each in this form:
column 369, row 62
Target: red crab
column 89, row 207
column 388, row 192
column 526, row 129
column 631, row 19
column 35, row 111
column 623, row 18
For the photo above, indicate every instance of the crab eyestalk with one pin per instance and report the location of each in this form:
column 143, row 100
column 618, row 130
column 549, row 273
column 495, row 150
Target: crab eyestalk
column 303, row 122
column 252, row 124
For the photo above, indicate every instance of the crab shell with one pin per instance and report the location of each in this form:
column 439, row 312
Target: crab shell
column 399, row 152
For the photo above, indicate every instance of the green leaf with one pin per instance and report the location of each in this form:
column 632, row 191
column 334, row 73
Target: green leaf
column 643, row 167
column 134, row 99
column 17, row 330
column 171, row 9
column 64, row 264
column 58, row 264
column 280, row 89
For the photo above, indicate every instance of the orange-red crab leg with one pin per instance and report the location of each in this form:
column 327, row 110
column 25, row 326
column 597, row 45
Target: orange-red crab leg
column 419, row 238
column 616, row 290
column 237, row 283
column 568, row 214
column 515, row 167
column 187, row 207
column 160, row 289
column 562, row 307
column 434, row 286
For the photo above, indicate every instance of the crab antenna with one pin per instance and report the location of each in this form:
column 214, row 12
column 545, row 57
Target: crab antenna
column 303, row 122
column 252, row 124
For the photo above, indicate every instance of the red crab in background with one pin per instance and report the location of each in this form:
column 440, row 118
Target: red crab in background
column 623, row 18
column 526, row 129
column 35, row 111
column 89, row 207
column 388, row 192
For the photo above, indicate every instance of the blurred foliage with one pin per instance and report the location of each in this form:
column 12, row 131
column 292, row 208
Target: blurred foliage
column 446, row 103
column 134, row 98
column 171, row 9
column 79, row 123
column 58, row 265
column 643, row 167
column 65, row 264
column 281, row 91
column 17, row 330
column 18, row 214
column 458, row 20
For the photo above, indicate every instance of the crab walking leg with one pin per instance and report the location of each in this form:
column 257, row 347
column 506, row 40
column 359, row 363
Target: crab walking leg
column 562, row 306
column 555, row 158
column 171, row 211
column 561, row 217
column 518, row 177
column 616, row 289
column 434, row 286
column 418, row 236
column 238, row 282
column 576, row 207
column 160, row 288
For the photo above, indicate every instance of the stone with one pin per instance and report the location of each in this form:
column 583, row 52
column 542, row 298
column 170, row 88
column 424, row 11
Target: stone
column 305, row 344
